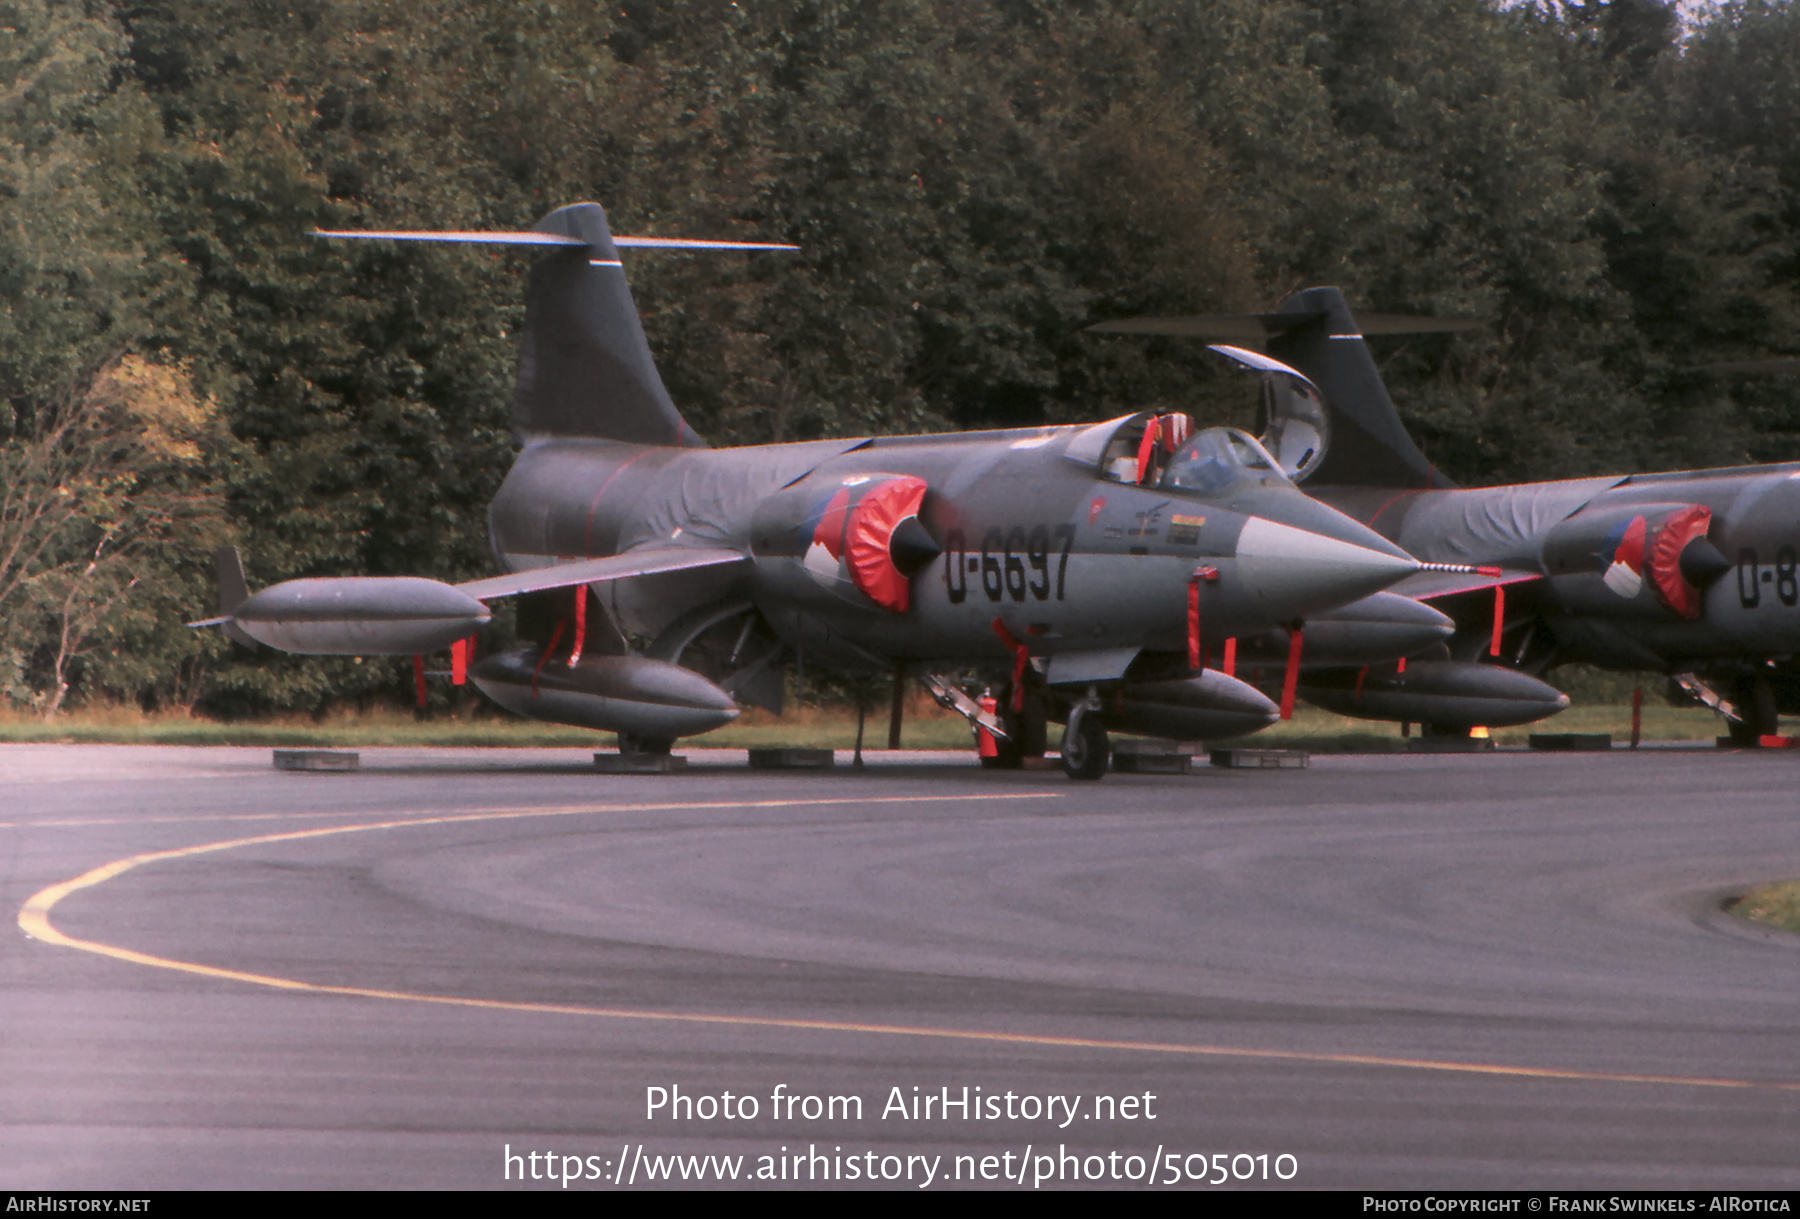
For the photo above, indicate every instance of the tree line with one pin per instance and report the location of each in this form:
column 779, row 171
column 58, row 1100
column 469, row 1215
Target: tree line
column 1615, row 196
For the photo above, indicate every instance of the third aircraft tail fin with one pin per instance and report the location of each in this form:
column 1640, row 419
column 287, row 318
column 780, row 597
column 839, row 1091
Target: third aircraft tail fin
column 1369, row 443
column 1315, row 333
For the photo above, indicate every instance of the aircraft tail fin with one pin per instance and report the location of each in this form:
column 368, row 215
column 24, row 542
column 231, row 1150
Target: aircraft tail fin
column 1369, row 444
column 585, row 369
column 584, row 366
column 1314, row 332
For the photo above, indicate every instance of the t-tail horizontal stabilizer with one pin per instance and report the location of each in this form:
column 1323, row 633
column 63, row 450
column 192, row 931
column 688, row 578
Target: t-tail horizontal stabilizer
column 584, row 367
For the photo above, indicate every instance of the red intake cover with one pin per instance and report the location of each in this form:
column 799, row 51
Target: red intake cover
column 872, row 523
column 1672, row 537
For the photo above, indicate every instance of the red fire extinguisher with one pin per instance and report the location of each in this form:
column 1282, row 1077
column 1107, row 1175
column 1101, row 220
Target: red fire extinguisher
column 985, row 745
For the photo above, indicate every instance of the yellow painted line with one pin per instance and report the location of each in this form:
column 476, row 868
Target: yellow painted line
column 34, row 920
column 411, row 814
column 67, row 822
column 433, row 817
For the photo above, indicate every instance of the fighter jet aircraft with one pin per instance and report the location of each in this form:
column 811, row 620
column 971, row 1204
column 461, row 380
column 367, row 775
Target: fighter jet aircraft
column 665, row 583
column 1692, row 574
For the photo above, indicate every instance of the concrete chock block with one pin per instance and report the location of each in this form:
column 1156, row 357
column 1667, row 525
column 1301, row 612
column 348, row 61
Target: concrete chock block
column 1157, row 747
column 1153, row 757
column 317, row 759
column 1261, row 759
column 639, row 763
column 791, row 759
column 1570, row 741
column 1152, row 763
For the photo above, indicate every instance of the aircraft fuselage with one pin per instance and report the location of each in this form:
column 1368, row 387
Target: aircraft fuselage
column 1063, row 558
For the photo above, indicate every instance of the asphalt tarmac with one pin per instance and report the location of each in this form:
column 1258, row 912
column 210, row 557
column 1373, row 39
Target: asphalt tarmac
column 1500, row 971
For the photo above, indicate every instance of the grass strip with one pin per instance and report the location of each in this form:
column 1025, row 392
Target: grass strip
column 926, row 727
column 1777, row 905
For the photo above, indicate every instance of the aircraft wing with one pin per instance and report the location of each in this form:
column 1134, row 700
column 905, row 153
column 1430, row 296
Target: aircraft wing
column 1430, row 585
column 644, row 561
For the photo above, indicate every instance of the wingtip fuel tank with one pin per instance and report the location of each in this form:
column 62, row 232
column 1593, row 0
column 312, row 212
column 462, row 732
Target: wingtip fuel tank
column 360, row 616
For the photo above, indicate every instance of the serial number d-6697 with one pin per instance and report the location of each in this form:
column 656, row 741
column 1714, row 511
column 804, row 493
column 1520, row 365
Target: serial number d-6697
column 1013, row 564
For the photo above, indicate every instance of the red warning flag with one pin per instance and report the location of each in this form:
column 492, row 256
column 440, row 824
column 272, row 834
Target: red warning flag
column 1193, row 623
column 1291, row 678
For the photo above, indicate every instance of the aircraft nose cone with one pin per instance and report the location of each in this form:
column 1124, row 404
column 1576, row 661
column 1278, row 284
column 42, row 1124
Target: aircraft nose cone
column 1294, row 572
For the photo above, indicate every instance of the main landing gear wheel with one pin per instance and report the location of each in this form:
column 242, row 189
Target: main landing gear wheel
column 1085, row 749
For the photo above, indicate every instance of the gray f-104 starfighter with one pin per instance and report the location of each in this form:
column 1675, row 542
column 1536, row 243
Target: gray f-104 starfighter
column 1094, row 569
column 1695, row 574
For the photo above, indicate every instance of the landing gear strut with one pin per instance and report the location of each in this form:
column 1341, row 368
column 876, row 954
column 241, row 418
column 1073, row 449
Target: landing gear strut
column 1755, row 699
column 1027, row 729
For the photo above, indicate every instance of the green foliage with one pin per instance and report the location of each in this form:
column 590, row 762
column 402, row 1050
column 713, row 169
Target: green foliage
column 66, row 270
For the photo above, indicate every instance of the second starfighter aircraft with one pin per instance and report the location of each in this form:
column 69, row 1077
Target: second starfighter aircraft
column 1695, row 574
column 1094, row 568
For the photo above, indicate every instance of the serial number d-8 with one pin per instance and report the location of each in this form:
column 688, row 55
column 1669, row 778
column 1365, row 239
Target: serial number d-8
column 1752, row 576
column 1013, row 564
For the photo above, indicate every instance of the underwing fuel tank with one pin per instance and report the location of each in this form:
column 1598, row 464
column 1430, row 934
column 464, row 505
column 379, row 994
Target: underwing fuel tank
column 360, row 616
column 1376, row 629
column 633, row 695
column 1207, row 704
column 1452, row 694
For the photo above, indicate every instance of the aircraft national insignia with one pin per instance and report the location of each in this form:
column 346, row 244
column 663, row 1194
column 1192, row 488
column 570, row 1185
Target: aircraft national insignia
column 1622, row 557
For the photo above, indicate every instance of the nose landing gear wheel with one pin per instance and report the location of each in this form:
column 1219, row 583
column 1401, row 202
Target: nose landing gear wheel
column 1085, row 749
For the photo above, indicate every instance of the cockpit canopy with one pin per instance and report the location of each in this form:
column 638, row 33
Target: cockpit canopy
column 1218, row 461
column 1130, row 449
column 1164, row 451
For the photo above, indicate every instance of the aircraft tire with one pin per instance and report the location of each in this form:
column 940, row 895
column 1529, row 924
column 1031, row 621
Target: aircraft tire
column 1086, row 752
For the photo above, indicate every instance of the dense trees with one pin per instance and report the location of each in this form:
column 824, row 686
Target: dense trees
column 972, row 183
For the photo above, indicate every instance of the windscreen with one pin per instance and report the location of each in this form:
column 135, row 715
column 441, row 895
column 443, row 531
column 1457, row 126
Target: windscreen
column 1219, row 460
